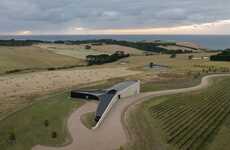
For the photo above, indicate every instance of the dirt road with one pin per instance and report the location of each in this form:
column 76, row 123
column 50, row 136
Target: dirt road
column 111, row 134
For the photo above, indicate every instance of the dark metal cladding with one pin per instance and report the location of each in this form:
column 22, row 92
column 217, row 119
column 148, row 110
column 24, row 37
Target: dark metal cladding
column 90, row 95
column 84, row 95
column 104, row 102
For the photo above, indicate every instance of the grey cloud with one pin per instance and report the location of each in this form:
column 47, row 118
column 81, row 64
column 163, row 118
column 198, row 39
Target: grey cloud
column 57, row 15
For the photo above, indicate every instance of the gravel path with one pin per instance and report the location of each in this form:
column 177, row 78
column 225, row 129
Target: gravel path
column 111, row 134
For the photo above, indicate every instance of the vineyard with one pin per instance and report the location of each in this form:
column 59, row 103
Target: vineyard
column 189, row 120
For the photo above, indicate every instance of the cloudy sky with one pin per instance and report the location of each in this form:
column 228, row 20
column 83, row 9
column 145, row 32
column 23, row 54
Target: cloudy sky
column 114, row 16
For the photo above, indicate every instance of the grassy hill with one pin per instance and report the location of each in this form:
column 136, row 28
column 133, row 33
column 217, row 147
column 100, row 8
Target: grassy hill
column 150, row 46
column 15, row 59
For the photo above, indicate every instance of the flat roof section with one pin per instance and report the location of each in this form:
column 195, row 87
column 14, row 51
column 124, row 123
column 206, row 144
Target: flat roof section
column 123, row 85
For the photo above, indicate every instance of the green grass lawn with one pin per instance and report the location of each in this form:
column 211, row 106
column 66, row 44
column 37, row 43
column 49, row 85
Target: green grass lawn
column 154, row 122
column 170, row 84
column 29, row 127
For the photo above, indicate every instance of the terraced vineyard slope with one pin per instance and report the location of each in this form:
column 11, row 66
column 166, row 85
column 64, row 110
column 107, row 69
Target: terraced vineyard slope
column 188, row 121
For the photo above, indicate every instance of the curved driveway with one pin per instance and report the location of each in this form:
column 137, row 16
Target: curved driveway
column 111, row 134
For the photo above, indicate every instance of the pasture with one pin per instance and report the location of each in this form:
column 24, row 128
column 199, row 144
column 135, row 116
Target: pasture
column 190, row 121
column 32, row 58
column 107, row 48
column 180, row 64
column 80, row 51
column 74, row 51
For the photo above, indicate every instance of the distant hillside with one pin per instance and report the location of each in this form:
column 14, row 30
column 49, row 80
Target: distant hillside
column 190, row 45
column 185, row 47
column 150, row 46
column 29, row 58
column 156, row 46
column 108, row 48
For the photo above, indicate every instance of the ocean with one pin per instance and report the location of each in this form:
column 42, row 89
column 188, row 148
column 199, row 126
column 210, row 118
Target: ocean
column 208, row 41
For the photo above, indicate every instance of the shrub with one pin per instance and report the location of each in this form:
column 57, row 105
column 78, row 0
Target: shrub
column 12, row 138
column 46, row 123
column 190, row 57
column 104, row 58
column 87, row 47
column 151, row 65
column 173, row 56
column 54, row 134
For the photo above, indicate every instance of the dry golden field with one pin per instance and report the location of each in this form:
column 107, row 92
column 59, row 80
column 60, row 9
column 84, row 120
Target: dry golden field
column 75, row 51
column 180, row 64
column 19, row 58
column 79, row 51
column 113, row 48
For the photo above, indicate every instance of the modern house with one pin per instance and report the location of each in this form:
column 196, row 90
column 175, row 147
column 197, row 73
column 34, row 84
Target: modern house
column 107, row 97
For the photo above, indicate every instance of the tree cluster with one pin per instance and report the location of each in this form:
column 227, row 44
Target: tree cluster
column 105, row 58
column 14, row 42
column 223, row 56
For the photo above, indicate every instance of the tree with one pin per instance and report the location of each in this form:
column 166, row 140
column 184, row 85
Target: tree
column 173, row 56
column 223, row 56
column 87, row 47
column 105, row 58
column 54, row 134
column 12, row 138
column 46, row 123
column 190, row 57
column 151, row 65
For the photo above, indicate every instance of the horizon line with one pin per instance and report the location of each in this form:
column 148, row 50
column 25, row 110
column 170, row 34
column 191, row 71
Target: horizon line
column 116, row 35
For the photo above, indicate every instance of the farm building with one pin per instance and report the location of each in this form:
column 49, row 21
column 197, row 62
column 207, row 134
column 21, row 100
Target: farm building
column 200, row 58
column 107, row 97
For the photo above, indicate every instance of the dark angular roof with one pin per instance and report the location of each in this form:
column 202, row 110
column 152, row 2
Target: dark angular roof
column 97, row 93
column 104, row 102
column 105, row 96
